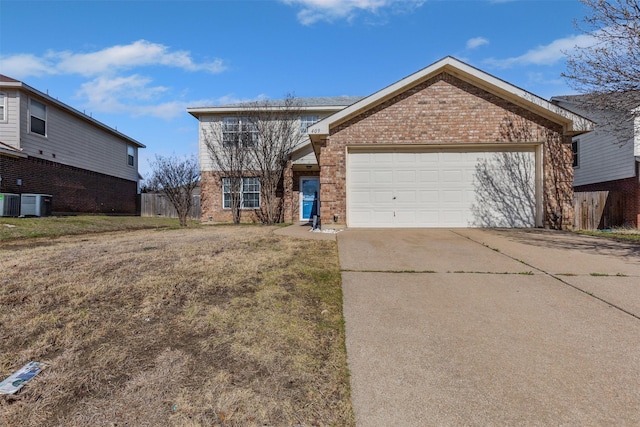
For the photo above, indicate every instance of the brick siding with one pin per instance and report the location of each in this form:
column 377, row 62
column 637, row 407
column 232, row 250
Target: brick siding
column 74, row 190
column 447, row 110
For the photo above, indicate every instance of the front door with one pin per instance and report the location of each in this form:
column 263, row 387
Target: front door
column 309, row 192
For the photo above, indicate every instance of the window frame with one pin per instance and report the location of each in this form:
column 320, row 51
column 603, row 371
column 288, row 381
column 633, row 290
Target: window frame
column 308, row 120
column 575, row 153
column 249, row 185
column 239, row 130
column 33, row 116
column 131, row 155
column 4, row 117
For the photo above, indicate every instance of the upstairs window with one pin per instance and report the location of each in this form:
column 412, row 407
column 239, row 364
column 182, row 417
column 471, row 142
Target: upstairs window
column 131, row 155
column 38, row 117
column 575, row 144
column 239, row 131
column 306, row 121
column 3, row 107
column 249, row 193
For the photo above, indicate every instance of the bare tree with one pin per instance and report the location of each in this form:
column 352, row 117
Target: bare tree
column 257, row 142
column 228, row 142
column 278, row 134
column 176, row 178
column 608, row 70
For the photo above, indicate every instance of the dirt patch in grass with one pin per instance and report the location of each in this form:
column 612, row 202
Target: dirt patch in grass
column 209, row 326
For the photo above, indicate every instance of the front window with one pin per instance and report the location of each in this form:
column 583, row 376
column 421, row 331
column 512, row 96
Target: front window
column 38, row 117
column 306, row 121
column 575, row 144
column 3, row 107
column 239, row 131
column 249, row 192
column 131, row 153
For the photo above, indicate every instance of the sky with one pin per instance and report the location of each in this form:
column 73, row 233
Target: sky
column 138, row 65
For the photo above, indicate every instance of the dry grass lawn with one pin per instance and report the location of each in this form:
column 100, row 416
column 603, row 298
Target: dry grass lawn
column 189, row 327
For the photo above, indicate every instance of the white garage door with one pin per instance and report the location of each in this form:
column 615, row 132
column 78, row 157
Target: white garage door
column 441, row 189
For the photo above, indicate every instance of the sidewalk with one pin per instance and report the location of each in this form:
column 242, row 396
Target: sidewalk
column 302, row 230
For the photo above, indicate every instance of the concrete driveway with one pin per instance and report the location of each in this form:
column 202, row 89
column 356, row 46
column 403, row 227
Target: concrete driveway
column 490, row 327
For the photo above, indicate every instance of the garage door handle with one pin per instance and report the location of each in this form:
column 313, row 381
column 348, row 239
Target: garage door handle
column 394, row 198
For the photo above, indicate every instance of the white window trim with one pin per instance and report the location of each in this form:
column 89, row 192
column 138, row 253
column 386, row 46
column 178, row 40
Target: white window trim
column 3, row 104
column 132, row 156
column 242, row 192
column 308, row 120
column 241, row 123
column 46, row 119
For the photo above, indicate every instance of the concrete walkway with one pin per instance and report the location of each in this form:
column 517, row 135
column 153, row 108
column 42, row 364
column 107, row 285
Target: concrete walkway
column 303, row 230
column 487, row 327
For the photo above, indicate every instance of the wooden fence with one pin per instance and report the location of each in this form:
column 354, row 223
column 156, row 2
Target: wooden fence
column 152, row 204
column 595, row 210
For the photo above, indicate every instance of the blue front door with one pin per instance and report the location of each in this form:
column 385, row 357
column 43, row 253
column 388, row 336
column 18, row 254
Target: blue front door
column 309, row 192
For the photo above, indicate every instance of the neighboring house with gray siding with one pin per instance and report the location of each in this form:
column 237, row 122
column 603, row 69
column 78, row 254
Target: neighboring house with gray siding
column 48, row 147
column 607, row 159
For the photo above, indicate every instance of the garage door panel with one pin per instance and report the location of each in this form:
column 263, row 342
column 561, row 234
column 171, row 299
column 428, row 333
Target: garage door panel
column 426, row 189
column 382, row 177
column 428, row 196
column 405, row 177
column 428, row 176
column 381, row 197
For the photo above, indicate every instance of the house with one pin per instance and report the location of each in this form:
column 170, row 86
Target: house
column 48, row 147
column 607, row 159
column 448, row 146
column 303, row 183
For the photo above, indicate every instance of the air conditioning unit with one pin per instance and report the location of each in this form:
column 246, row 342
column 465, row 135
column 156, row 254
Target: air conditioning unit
column 35, row 204
column 9, row 204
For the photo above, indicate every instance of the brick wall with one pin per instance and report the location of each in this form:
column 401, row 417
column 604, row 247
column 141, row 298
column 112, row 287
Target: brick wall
column 630, row 190
column 447, row 110
column 74, row 190
column 211, row 201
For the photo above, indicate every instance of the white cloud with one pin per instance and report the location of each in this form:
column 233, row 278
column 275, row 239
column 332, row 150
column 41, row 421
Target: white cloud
column 109, row 90
column 137, row 54
column 133, row 95
column 24, row 65
column 476, row 42
column 140, row 53
column 547, row 54
column 331, row 10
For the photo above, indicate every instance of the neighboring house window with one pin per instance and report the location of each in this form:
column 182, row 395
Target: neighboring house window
column 575, row 145
column 249, row 193
column 38, row 117
column 3, row 107
column 241, row 131
column 131, row 153
column 306, row 121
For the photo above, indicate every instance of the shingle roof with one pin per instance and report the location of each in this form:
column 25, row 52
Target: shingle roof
column 327, row 101
column 8, row 79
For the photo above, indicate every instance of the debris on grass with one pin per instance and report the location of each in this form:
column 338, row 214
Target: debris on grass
column 19, row 378
column 325, row 230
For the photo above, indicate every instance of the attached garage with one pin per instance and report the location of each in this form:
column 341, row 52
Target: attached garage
column 440, row 187
column 448, row 146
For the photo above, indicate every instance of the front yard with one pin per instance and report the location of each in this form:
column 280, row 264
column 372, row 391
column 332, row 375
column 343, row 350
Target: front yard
column 203, row 326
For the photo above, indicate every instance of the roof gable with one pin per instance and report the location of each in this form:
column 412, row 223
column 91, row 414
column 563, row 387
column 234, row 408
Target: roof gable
column 573, row 124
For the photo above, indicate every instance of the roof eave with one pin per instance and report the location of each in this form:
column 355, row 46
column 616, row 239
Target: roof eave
column 71, row 110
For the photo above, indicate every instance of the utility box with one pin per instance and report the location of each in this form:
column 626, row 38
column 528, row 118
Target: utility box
column 9, row 204
column 35, row 204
